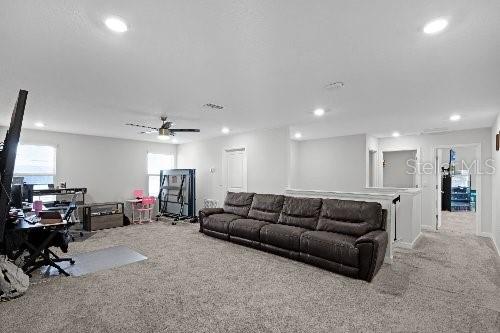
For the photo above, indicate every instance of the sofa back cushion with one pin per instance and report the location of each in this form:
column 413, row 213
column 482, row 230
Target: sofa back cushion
column 354, row 218
column 300, row 212
column 238, row 203
column 266, row 207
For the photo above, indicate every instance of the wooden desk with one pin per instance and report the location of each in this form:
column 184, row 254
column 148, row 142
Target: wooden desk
column 39, row 254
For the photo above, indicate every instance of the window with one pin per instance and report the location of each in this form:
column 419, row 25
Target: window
column 157, row 162
column 37, row 165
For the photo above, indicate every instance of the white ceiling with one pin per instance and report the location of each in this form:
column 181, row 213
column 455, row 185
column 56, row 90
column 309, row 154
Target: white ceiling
column 266, row 61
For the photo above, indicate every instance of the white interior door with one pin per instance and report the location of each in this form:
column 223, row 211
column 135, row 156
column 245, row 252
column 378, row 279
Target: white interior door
column 235, row 170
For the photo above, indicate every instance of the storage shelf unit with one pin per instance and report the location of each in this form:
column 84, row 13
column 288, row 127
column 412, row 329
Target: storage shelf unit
column 102, row 216
column 456, row 194
column 460, row 199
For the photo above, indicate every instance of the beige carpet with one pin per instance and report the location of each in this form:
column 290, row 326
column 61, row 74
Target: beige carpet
column 194, row 283
column 458, row 222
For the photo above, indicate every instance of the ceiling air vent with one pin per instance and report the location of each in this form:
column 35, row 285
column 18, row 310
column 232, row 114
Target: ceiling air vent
column 214, row 107
column 334, row 85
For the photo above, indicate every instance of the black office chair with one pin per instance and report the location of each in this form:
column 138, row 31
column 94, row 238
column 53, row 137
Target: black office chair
column 43, row 240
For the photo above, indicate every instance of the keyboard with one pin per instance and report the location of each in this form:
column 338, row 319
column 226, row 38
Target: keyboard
column 32, row 219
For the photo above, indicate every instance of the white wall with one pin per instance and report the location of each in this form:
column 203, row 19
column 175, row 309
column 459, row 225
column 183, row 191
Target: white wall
column 496, row 185
column 426, row 143
column 332, row 164
column 397, row 170
column 293, row 175
column 268, row 160
column 110, row 168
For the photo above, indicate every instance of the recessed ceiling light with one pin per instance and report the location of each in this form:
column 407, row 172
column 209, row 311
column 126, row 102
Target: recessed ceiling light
column 455, row 117
column 297, row 135
column 319, row 112
column 116, row 24
column 164, row 137
column 39, row 124
column 436, row 26
column 225, row 130
column 396, row 134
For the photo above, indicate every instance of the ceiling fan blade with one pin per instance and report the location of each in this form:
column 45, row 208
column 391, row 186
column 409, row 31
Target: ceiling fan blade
column 148, row 132
column 184, row 130
column 166, row 124
column 142, row 126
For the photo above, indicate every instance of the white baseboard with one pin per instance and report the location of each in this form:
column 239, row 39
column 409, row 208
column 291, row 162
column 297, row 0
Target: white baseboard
column 407, row 245
column 485, row 235
column 496, row 246
column 490, row 236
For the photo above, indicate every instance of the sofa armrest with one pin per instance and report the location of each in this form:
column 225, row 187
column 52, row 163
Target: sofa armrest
column 371, row 248
column 210, row 211
column 205, row 212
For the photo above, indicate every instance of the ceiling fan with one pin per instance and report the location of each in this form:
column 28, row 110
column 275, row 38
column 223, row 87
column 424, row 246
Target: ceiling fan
column 164, row 130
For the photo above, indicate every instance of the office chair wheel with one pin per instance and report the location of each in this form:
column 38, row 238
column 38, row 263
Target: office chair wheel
column 72, row 262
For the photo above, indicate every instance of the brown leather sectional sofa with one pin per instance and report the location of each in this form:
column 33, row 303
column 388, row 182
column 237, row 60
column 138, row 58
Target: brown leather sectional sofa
column 343, row 236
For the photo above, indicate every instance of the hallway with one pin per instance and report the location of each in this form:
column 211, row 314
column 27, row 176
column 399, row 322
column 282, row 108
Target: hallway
column 458, row 222
column 459, row 269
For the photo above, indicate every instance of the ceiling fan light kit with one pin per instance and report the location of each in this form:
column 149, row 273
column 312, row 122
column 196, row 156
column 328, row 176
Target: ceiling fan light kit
column 164, row 131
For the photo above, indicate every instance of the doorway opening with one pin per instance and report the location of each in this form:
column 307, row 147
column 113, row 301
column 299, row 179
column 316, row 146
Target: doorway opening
column 458, row 188
column 372, row 168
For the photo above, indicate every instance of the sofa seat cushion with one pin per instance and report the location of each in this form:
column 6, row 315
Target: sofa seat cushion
column 282, row 236
column 354, row 218
column 300, row 212
column 331, row 246
column 266, row 207
column 238, row 203
column 219, row 222
column 246, row 228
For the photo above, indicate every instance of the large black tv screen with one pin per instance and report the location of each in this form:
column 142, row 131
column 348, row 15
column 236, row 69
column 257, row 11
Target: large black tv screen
column 8, row 158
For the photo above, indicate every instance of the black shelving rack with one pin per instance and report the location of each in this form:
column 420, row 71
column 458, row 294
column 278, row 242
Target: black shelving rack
column 460, row 199
column 177, row 196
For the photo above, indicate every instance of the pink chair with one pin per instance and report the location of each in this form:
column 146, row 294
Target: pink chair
column 138, row 194
column 136, row 203
column 147, row 205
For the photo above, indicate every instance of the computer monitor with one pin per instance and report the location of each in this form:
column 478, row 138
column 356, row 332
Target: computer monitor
column 8, row 158
column 16, row 196
column 17, row 180
column 28, row 192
